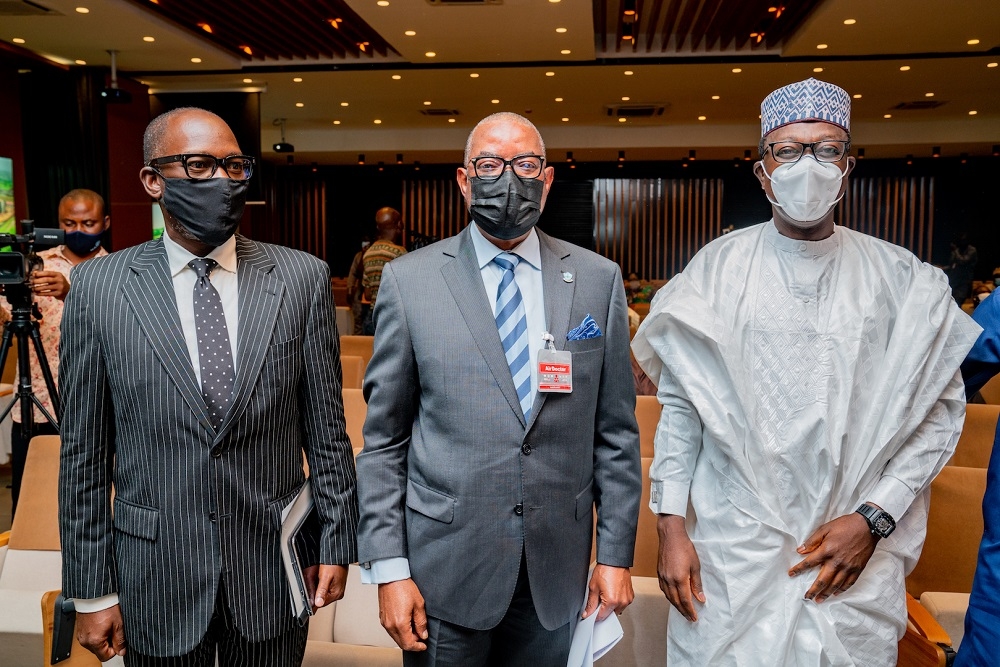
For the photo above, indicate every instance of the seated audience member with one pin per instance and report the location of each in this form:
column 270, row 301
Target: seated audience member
column 385, row 249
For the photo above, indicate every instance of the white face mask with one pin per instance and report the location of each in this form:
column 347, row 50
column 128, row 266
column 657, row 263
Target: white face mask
column 806, row 190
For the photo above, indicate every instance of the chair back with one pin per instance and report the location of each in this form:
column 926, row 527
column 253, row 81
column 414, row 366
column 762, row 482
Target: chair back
column 991, row 391
column 360, row 346
column 646, row 540
column 647, row 414
column 354, row 370
column 976, row 442
column 355, row 411
column 36, row 524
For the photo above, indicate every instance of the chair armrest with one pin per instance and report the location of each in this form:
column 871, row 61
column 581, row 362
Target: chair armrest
column 925, row 624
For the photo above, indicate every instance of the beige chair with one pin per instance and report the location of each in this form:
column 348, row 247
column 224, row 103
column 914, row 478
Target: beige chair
column 354, row 370
column 926, row 643
column 991, row 391
column 79, row 656
column 360, row 346
column 646, row 540
column 355, row 410
column 976, row 443
column 647, row 414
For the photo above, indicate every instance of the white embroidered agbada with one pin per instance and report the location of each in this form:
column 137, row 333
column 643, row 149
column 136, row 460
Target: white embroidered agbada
column 799, row 379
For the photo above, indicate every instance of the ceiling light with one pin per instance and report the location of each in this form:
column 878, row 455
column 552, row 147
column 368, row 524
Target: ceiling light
column 361, row 158
column 80, row 62
column 629, row 8
column 550, row 74
column 850, row 21
column 247, row 80
column 416, row 165
column 861, row 153
column 297, row 79
column 336, row 122
column 474, row 75
column 936, row 151
column 451, row 120
column 344, row 104
column 335, row 22
column 246, row 49
column 399, row 158
column 569, row 156
column 856, row 96
column 971, row 42
column 996, row 150
column 410, row 33
column 626, row 98
column 909, row 158
column 904, row 68
column 559, row 99
column 381, row 165
column 207, row 28
column 821, row 46
column 396, row 77
column 621, row 120
column 888, row 115
column 629, row 72
column 565, row 119
column 973, row 112
column 716, row 97
column 817, row 69
column 382, row 3
column 553, row 1
column 427, row 103
column 300, row 104
column 196, row 60
column 702, row 117
column 18, row 40
column 987, row 64
column 430, row 54
column 377, row 121
column 147, row 38
column 737, row 70
column 84, row 10
column 928, row 94
column 746, row 155
column 495, row 101
column 560, row 30
column 621, row 156
column 565, row 52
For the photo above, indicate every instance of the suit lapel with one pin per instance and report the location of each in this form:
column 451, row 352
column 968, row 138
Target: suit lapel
column 557, row 295
column 260, row 295
column 465, row 282
column 150, row 293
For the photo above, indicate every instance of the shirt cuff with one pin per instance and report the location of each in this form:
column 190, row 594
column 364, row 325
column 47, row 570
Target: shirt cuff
column 385, row 570
column 668, row 497
column 892, row 496
column 90, row 605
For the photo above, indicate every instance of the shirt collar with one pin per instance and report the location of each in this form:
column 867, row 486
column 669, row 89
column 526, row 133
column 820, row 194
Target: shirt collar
column 528, row 249
column 178, row 257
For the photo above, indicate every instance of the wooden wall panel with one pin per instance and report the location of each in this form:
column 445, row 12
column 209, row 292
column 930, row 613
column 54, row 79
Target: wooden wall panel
column 653, row 226
column 299, row 213
column 434, row 207
column 898, row 209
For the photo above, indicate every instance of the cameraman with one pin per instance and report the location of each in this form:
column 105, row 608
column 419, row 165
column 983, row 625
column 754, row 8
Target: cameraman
column 82, row 218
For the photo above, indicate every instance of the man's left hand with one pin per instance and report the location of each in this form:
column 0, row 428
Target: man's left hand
column 611, row 588
column 841, row 548
column 49, row 283
column 325, row 583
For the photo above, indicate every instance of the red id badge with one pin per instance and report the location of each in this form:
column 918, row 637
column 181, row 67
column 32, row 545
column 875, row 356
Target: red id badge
column 555, row 371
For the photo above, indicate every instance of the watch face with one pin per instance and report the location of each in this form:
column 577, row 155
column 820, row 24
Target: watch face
column 883, row 525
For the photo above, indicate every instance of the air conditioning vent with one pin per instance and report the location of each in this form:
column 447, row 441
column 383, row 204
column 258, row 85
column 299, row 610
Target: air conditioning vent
column 442, row 3
column 439, row 112
column 636, row 110
column 919, row 105
column 25, row 8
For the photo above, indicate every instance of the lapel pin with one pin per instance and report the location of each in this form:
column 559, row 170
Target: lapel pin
column 567, row 277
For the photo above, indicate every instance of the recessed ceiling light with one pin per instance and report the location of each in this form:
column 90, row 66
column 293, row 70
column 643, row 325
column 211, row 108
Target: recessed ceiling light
column 888, row 115
column 987, row 64
column 299, row 104
column 904, row 68
column 737, row 70
column 856, row 96
column 565, row 52
column 18, row 40
column 297, row 79
column 410, row 33
column 147, row 38
column 247, row 80
column 550, row 74
column 928, row 94
column 427, row 103
column 971, row 42
column 560, row 30
column 629, row 72
column 196, row 60
column 377, row 121
column 973, row 112
column 474, row 75
column 621, row 120
column 850, row 21
column 565, row 119
column 702, row 117
column 559, row 99
column 430, row 54
column 495, row 101
column 382, row 3
column 817, row 69
column 451, row 120
column 821, row 46
column 80, row 62
column 336, row 122
column 344, row 104
column 716, row 97
column 626, row 98
column 396, row 77
column 553, row 1
column 84, row 10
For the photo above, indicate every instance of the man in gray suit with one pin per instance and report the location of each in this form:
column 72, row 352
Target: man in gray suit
column 477, row 486
column 196, row 370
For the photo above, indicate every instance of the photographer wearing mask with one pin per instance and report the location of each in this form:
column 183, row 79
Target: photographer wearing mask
column 82, row 218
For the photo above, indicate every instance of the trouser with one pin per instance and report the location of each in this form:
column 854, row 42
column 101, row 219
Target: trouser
column 518, row 640
column 19, row 454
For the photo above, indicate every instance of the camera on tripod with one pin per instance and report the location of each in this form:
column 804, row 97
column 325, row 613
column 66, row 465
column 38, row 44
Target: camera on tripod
column 17, row 264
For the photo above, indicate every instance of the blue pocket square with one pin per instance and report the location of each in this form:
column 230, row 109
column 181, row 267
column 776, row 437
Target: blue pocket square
column 587, row 329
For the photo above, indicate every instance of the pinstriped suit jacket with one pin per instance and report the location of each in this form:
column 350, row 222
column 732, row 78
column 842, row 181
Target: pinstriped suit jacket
column 448, row 457
column 192, row 505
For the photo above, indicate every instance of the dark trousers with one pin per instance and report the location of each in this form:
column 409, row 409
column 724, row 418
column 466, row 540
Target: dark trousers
column 285, row 650
column 19, row 454
column 518, row 640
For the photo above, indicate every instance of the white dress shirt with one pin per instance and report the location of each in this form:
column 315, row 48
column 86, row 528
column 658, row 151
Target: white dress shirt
column 224, row 279
column 528, row 275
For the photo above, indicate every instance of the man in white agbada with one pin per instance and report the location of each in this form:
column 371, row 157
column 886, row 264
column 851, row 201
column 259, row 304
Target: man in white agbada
column 810, row 389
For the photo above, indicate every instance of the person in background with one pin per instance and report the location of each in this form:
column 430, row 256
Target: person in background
column 961, row 267
column 83, row 219
column 385, row 249
column 810, row 388
column 355, row 292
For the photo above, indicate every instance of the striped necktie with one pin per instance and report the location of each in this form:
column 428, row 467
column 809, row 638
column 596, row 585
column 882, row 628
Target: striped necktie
column 512, row 324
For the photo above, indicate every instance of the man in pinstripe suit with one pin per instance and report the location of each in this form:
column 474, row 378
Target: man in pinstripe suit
column 199, row 424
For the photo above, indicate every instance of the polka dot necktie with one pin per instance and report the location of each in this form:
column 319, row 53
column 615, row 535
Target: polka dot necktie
column 215, row 354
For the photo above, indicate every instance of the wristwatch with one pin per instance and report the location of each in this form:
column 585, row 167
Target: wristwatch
column 879, row 521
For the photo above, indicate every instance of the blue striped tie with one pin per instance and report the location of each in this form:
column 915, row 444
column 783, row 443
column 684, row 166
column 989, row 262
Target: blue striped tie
column 513, row 326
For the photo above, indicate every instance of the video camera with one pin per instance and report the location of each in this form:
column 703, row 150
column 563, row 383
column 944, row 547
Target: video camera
column 17, row 264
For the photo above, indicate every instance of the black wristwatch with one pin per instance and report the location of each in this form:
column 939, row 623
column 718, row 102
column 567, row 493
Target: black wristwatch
column 879, row 521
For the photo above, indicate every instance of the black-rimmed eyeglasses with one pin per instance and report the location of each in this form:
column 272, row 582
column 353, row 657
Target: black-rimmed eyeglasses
column 490, row 168
column 198, row 165
column 824, row 151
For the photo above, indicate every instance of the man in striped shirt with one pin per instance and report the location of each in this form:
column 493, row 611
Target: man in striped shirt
column 384, row 250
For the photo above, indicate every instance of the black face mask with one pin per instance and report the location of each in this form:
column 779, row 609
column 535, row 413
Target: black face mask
column 82, row 243
column 507, row 207
column 209, row 208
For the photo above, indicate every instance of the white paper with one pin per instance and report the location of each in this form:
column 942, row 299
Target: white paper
column 593, row 638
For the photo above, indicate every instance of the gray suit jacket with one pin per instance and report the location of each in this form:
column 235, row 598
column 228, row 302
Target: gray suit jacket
column 192, row 505
column 453, row 479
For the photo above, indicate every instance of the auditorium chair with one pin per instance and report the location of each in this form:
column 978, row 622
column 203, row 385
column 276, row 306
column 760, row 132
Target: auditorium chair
column 976, row 442
column 360, row 346
column 354, row 370
column 991, row 391
column 647, row 414
column 355, row 410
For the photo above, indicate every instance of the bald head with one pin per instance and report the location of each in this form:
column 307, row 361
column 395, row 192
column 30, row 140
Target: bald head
column 500, row 119
column 83, row 196
column 159, row 129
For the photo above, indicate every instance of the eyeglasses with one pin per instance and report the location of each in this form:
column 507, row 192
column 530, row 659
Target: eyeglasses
column 824, row 151
column 490, row 168
column 197, row 165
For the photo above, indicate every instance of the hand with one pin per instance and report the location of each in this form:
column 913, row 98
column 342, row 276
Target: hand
column 401, row 612
column 49, row 283
column 102, row 632
column 611, row 588
column 325, row 583
column 678, row 569
column 842, row 547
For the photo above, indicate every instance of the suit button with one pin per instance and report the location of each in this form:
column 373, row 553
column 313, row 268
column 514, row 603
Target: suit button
column 519, row 509
column 216, row 452
column 526, row 449
column 212, row 516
